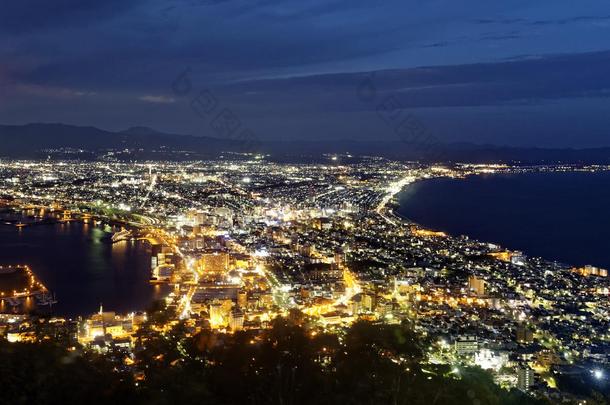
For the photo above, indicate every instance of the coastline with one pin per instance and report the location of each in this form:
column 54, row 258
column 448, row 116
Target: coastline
column 68, row 299
column 394, row 211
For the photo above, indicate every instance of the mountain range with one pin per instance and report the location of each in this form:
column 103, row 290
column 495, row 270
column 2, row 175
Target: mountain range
column 42, row 140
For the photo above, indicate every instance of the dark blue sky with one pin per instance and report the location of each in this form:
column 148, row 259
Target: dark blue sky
column 504, row 72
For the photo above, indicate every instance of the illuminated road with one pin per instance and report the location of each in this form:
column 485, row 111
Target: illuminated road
column 184, row 305
column 278, row 291
column 352, row 287
column 150, row 189
column 391, row 191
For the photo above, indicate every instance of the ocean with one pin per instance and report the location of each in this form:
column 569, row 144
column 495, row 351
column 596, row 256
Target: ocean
column 562, row 216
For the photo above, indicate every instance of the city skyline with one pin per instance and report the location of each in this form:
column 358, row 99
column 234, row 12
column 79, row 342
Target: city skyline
column 304, row 202
column 238, row 247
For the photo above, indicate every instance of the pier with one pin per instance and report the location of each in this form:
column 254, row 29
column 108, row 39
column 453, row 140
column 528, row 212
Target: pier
column 19, row 285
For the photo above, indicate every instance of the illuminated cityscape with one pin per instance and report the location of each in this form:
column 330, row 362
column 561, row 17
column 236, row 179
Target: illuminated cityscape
column 242, row 241
column 321, row 202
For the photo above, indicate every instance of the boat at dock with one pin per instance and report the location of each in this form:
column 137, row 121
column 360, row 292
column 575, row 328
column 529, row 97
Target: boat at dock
column 46, row 299
column 121, row 236
column 14, row 302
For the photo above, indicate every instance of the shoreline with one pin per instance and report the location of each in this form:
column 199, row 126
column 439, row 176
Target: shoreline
column 394, row 212
column 71, row 309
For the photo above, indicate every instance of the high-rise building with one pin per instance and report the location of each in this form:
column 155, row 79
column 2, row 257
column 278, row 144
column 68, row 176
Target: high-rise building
column 367, row 302
column 219, row 312
column 525, row 377
column 236, row 320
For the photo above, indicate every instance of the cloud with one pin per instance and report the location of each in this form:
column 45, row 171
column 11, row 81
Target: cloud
column 49, row 92
column 129, row 52
column 493, row 37
column 529, row 81
column 572, row 20
column 24, row 16
column 157, row 99
column 541, row 22
column 109, row 44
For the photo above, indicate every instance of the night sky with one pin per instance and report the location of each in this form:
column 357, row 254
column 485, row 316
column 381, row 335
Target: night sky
column 525, row 73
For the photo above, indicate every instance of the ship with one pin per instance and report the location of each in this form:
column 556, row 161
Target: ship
column 121, row 236
column 46, row 299
column 14, row 302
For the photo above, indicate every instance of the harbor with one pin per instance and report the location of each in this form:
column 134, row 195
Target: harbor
column 83, row 262
column 21, row 291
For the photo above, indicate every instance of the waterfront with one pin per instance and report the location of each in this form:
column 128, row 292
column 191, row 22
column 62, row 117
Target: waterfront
column 559, row 216
column 78, row 263
column 247, row 241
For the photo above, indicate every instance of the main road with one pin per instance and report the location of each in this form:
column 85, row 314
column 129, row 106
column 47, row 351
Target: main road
column 390, row 192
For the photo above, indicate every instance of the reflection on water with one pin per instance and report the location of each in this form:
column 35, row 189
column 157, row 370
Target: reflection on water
column 29, row 304
column 77, row 263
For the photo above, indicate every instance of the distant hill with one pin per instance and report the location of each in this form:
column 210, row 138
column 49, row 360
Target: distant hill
column 41, row 140
column 35, row 140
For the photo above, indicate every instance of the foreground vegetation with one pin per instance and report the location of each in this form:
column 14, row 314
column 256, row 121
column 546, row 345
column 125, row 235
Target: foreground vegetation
column 288, row 364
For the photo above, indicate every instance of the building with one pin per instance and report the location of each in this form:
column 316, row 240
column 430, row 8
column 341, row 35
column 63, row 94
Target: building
column 242, row 299
column 108, row 323
column 156, row 249
column 518, row 259
column 525, row 378
column 216, row 262
column 477, row 285
column 466, row 345
column 236, row 320
column 323, row 271
column 589, row 270
column 219, row 312
column 490, row 360
column 525, row 334
column 162, row 273
column 322, row 223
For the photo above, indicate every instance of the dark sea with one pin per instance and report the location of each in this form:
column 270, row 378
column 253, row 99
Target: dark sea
column 77, row 263
column 557, row 216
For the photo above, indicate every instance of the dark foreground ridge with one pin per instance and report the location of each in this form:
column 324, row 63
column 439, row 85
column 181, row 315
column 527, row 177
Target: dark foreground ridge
column 287, row 364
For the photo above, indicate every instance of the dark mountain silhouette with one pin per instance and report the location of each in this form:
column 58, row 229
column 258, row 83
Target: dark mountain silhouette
column 34, row 140
column 85, row 142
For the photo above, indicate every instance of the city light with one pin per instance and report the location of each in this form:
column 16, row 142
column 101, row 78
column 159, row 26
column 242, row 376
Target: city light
column 325, row 241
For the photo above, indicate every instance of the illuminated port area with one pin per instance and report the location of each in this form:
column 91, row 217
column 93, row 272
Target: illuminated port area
column 19, row 286
column 246, row 240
